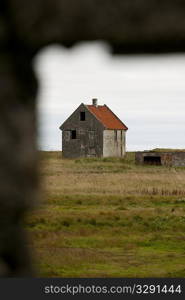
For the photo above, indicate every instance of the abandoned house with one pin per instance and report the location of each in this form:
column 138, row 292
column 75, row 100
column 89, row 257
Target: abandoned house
column 169, row 158
column 93, row 131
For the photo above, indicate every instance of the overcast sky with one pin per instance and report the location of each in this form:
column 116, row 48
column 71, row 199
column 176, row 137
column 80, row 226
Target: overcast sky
column 146, row 92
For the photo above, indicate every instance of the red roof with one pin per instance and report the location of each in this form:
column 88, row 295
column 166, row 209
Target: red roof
column 106, row 117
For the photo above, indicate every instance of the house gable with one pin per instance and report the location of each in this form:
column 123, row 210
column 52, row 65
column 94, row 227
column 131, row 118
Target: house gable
column 81, row 117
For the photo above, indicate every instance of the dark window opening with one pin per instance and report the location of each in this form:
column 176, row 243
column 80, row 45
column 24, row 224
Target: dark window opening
column 82, row 116
column 152, row 160
column 73, row 134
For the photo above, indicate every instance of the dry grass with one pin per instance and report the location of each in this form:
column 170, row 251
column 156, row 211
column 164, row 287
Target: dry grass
column 108, row 218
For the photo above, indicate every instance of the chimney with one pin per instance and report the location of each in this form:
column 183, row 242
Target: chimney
column 95, row 102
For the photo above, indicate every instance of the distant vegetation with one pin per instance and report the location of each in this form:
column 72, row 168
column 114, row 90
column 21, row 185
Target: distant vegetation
column 168, row 150
column 108, row 218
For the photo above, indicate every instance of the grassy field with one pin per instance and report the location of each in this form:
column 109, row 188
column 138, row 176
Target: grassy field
column 108, row 218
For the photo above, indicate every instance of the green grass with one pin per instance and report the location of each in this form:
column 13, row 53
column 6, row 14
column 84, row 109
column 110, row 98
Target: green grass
column 108, row 218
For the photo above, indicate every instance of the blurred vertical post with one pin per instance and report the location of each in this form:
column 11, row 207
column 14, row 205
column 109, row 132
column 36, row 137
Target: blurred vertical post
column 18, row 159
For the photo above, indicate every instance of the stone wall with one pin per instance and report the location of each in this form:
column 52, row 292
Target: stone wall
column 89, row 135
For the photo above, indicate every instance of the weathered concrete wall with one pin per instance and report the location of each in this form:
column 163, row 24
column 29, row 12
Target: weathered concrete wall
column 89, row 139
column 176, row 159
column 114, row 143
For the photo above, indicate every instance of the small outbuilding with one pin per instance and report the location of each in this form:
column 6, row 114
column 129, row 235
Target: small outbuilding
column 168, row 158
column 93, row 131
